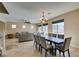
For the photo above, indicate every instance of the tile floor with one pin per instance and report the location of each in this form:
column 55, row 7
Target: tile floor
column 26, row 49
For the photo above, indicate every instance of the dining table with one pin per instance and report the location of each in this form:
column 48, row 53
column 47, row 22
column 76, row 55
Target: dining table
column 54, row 40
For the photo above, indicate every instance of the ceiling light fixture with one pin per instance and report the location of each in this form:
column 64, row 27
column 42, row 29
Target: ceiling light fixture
column 27, row 21
column 44, row 19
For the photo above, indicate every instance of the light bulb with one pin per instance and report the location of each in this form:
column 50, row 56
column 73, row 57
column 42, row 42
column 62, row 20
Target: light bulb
column 23, row 26
column 32, row 26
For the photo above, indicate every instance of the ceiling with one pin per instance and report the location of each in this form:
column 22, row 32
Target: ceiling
column 18, row 11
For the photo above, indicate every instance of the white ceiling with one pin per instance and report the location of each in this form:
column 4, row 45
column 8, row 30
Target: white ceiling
column 33, row 10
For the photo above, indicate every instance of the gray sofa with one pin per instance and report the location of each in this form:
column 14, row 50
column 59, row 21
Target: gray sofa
column 24, row 36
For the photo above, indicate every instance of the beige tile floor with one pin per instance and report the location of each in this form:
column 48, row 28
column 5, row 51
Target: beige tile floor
column 26, row 49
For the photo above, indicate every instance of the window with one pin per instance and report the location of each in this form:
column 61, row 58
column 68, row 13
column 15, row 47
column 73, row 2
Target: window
column 54, row 28
column 40, row 29
column 13, row 26
column 43, row 29
column 58, row 27
column 61, row 28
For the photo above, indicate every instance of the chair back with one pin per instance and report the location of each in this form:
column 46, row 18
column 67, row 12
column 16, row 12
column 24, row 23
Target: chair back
column 37, row 39
column 60, row 36
column 43, row 42
column 54, row 35
column 34, row 38
column 67, row 43
column 50, row 34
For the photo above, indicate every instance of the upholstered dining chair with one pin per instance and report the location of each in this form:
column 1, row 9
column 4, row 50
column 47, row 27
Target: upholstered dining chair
column 64, row 47
column 34, row 41
column 37, row 41
column 45, row 46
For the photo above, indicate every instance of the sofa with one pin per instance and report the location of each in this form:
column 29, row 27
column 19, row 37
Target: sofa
column 24, row 36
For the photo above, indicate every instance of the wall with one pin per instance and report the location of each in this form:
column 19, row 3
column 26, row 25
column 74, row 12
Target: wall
column 71, row 25
column 19, row 28
column 2, row 26
column 2, row 37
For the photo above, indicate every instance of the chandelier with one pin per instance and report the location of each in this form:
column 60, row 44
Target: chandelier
column 27, row 21
column 44, row 19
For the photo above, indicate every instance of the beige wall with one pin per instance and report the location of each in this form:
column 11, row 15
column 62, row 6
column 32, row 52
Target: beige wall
column 2, row 37
column 2, row 26
column 71, row 25
column 19, row 28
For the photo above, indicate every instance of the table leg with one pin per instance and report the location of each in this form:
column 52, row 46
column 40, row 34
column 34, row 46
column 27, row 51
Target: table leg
column 51, row 48
column 50, row 42
column 55, row 49
column 0, row 52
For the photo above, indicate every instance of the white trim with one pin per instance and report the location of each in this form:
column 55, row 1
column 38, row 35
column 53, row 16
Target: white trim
column 4, row 43
column 3, row 20
column 73, row 45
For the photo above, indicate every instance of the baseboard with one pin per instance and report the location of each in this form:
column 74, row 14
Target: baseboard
column 25, row 41
column 73, row 45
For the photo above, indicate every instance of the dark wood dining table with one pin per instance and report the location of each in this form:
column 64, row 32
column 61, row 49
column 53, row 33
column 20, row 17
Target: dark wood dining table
column 54, row 40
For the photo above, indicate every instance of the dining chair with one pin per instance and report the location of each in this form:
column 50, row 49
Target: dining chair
column 1, row 51
column 64, row 47
column 60, row 36
column 34, row 41
column 45, row 46
column 54, row 35
column 37, row 41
